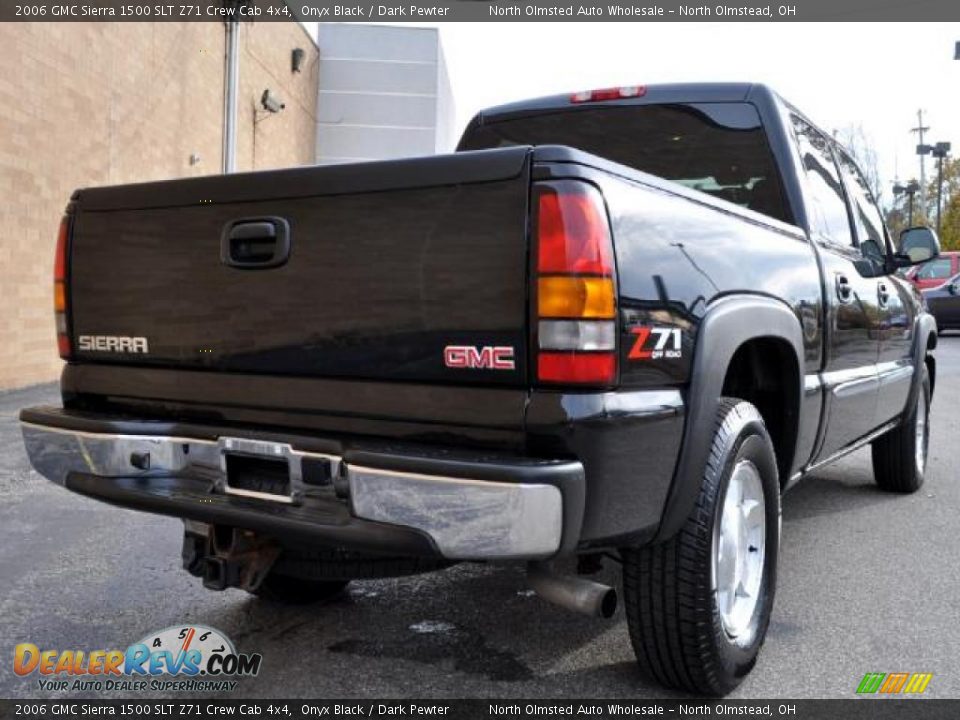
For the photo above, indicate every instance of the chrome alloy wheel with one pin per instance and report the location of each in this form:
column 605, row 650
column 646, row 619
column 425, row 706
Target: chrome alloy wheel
column 920, row 445
column 739, row 549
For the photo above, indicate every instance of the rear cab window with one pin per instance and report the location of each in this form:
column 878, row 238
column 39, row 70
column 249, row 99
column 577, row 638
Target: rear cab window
column 717, row 148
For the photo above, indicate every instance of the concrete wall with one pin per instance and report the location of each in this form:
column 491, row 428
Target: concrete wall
column 95, row 104
column 384, row 93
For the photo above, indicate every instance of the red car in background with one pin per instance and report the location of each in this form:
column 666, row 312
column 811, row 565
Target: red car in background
column 934, row 273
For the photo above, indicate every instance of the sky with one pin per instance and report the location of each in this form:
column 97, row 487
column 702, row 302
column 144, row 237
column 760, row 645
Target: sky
column 874, row 75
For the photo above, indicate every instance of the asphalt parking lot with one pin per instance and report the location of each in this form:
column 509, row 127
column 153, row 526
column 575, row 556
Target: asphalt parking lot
column 868, row 582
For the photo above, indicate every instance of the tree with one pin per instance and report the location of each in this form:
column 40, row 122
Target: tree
column 950, row 217
column 857, row 142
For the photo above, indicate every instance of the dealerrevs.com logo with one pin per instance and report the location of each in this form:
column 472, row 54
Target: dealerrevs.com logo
column 188, row 657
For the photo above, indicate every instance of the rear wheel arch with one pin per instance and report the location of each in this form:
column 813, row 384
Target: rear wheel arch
column 765, row 371
column 731, row 323
column 925, row 341
column 931, row 361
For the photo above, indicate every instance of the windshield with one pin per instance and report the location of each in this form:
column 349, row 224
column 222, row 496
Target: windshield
column 717, row 148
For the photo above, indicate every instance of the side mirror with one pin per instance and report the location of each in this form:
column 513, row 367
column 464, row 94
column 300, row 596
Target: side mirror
column 954, row 287
column 917, row 245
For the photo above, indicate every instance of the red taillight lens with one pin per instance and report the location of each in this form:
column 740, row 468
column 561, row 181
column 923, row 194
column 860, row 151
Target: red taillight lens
column 63, row 346
column 595, row 368
column 575, row 286
column 615, row 93
column 60, row 294
column 60, row 261
column 572, row 232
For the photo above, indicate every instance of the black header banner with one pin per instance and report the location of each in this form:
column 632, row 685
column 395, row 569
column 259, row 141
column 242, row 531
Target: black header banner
column 478, row 10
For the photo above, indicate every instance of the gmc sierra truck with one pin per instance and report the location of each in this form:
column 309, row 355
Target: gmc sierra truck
column 616, row 324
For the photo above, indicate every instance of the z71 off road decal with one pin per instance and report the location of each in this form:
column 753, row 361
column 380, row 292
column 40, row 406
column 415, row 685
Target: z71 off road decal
column 655, row 343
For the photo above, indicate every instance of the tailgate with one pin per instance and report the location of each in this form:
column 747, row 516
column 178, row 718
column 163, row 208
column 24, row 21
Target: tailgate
column 389, row 263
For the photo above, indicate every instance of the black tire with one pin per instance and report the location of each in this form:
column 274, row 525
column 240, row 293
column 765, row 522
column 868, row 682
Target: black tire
column 897, row 466
column 671, row 599
column 287, row 590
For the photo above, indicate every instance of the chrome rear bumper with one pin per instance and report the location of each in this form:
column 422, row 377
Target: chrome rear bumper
column 467, row 515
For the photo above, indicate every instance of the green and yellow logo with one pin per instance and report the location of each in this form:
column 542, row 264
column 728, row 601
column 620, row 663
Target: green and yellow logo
column 892, row 683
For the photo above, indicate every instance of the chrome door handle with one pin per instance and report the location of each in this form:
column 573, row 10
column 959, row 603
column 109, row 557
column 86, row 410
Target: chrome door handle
column 883, row 294
column 844, row 289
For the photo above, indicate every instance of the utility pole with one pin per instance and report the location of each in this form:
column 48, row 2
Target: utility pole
column 922, row 150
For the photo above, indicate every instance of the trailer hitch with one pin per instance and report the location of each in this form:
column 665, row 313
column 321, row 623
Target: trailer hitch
column 228, row 557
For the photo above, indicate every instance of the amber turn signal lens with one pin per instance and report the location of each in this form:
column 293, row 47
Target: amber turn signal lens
column 575, row 297
column 59, row 297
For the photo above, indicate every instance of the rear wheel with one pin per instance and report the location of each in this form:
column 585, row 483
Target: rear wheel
column 699, row 604
column 900, row 455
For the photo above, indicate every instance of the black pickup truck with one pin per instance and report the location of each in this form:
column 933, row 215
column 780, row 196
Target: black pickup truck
column 617, row 324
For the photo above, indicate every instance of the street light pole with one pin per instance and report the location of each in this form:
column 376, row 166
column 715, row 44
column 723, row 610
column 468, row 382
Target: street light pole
column 940, row 151
column 939, row 190
column 910, row 189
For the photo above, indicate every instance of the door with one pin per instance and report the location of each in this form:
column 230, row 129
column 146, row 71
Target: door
column 895, row 302
column 849, row 373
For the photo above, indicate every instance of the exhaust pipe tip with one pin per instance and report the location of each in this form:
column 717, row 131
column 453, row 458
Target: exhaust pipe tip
column 215, row 574
column 572, row 592
column 608, row 603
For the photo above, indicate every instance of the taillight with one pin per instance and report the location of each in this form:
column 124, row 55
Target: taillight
column 60, row 291
column 615, row 93
column 575, row 298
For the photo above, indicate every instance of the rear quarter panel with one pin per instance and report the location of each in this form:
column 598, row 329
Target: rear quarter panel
column 676, row 255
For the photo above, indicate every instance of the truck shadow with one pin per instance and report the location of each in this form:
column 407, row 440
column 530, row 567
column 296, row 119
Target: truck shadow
column 835, row 489
column 477, row 630
column 477, row 626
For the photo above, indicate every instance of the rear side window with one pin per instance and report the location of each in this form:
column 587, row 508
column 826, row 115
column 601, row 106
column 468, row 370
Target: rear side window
column 825, row 192
column 938, row 269
column 717, row 148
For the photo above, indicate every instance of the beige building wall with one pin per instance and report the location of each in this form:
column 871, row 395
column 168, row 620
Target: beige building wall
column 86, row 104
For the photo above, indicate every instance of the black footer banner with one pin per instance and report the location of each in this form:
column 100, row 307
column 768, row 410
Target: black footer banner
column 853, row 709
